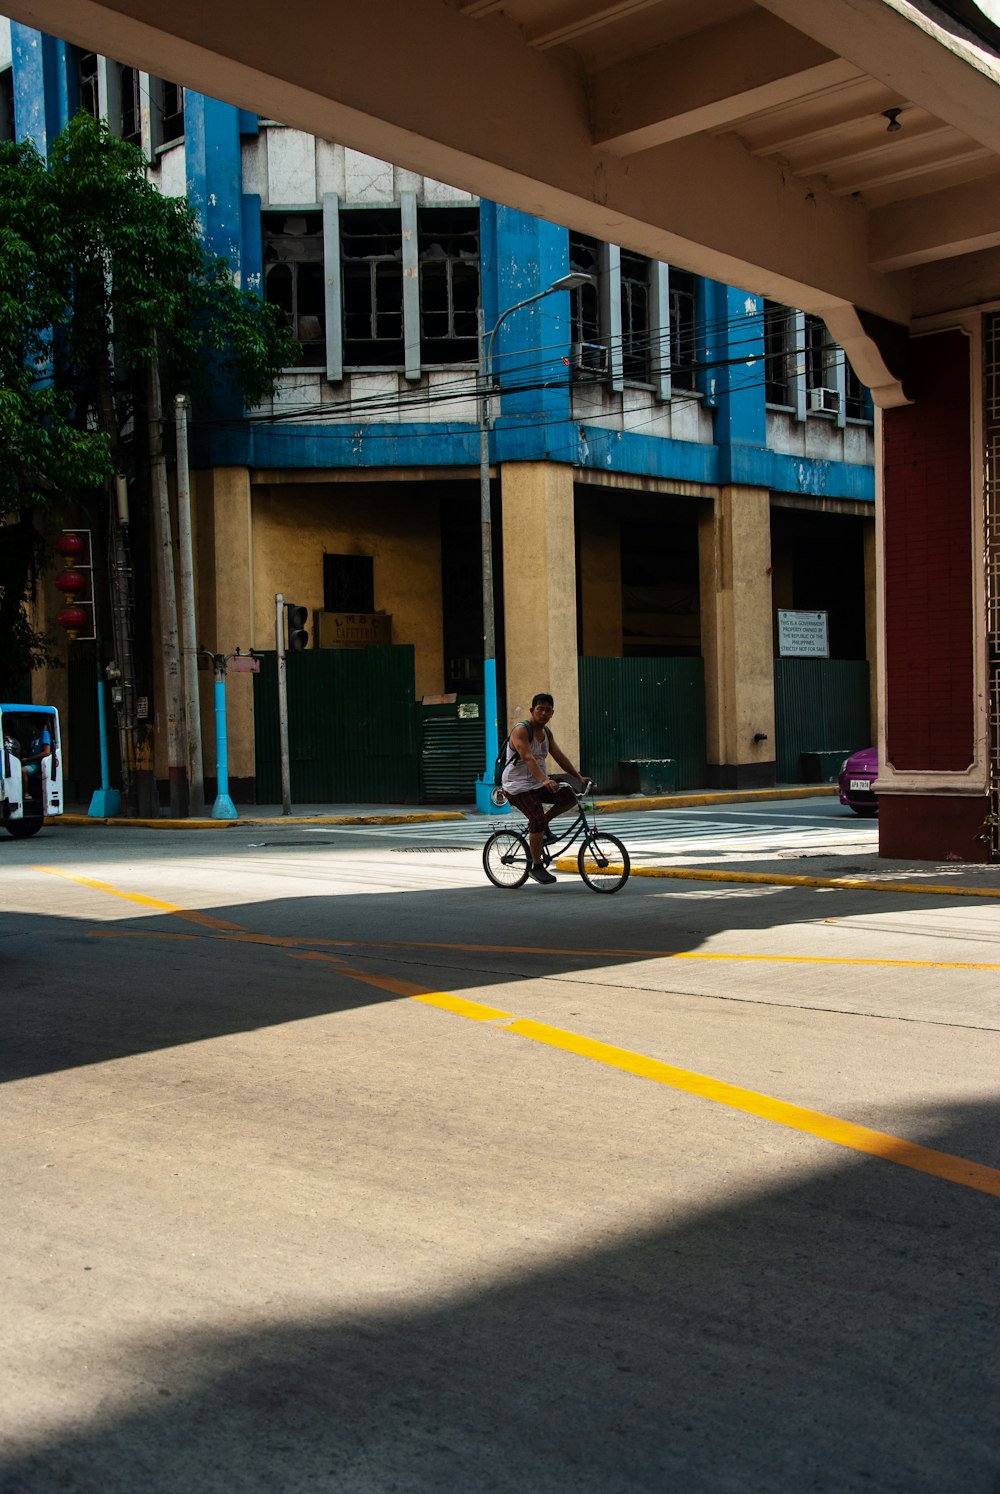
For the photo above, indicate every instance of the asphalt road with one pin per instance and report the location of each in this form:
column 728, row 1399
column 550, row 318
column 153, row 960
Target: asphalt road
column 328, row 1166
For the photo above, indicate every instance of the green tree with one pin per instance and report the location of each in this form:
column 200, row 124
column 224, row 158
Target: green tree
column 100, row 275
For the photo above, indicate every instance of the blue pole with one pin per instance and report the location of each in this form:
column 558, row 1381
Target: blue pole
column 485, row 785
column 223, row 808
column 106, row 801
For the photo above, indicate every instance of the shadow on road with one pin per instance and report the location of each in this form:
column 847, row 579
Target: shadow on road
column 839, row 1335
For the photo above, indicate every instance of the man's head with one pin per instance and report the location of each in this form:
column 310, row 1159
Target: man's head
column 542, row 706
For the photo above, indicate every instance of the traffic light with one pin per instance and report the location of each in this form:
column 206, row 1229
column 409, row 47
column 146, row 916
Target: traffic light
column 298, row 637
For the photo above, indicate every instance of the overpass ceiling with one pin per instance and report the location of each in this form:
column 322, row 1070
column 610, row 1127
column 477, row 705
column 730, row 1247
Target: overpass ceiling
column 749, row 141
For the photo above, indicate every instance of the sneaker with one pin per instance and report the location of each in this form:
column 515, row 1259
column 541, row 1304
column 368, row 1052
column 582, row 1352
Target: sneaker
column 551, row 837
column 539, row 874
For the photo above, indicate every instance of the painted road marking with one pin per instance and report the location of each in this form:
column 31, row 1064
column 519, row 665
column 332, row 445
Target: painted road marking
column 895, row 1149
column 145, row 902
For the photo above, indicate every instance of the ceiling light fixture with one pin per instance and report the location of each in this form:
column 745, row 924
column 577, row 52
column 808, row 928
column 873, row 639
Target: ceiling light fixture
column 892, row 115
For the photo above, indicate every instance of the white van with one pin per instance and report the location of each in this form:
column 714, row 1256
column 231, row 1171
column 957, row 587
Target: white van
column 31, row 778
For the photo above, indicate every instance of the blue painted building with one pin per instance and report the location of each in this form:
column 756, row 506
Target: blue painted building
column 673, row 462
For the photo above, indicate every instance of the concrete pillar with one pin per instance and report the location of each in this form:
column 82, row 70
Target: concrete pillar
column 539, row 590
column 734, row 543
column 600, row 560
column 223, row 529
column 871, row 621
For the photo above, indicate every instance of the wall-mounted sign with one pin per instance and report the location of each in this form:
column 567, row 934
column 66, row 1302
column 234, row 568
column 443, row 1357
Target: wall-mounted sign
column 352, row 629
column 803, row 635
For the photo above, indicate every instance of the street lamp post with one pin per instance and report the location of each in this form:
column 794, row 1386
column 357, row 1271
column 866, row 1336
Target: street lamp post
column 485, row 786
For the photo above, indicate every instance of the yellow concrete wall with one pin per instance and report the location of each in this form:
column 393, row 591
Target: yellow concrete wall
column 398, row 525
column 224, row 591
column 600, row 562
column 736, row 626
column 539, row 560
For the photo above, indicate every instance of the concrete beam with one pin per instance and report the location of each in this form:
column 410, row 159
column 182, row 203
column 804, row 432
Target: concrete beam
column 939, row 225
column 708, row 80
column 472, row 114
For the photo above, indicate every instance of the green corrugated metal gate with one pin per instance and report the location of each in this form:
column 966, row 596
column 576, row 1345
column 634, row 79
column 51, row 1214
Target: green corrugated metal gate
column 819, row 705
column 642, row 708
column 353, row 728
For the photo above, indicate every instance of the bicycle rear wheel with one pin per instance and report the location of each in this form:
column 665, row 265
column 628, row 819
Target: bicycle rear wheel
column 603, row 863
column 506, row 859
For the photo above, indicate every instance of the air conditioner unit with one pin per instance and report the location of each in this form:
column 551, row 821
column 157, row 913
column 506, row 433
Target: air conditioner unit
column 590, row 358
column 824, row 401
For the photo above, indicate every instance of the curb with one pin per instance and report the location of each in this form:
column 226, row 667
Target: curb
column 789, row 879
column 319, row 819
column 721, row 796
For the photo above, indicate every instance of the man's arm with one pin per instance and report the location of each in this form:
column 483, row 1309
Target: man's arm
column 564, row 761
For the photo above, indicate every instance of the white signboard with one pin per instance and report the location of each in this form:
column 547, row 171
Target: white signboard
column 803, row 635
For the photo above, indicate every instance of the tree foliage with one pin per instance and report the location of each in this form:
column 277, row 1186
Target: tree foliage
column 99, row 274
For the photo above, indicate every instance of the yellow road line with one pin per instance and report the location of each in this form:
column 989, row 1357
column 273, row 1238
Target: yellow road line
column 293, row 941
column 895, row 1149
column 144, row 902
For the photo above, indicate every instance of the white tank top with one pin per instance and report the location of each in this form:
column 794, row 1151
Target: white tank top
column 517, row 776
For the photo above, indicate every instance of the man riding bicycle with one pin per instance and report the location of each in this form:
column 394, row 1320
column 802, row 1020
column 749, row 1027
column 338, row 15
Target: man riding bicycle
column 528, row 785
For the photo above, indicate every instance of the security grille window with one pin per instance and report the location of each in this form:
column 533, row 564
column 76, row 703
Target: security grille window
column 131, row 114
column 636, row 342
column 371, row 253
column 86, row 72
column 172, row 117
column 448, row 241
column 348, row 583
column 7, row 104
column 294, row 280
column 683, row 328
column 584, row 300
column 779, row 354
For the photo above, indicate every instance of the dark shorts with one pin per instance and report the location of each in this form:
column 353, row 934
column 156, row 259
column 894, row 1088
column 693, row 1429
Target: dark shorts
column 532, row 804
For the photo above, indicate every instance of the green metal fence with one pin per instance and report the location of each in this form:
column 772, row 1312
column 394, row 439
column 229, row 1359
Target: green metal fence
column 353, row 729
column 819, row 705
column 642, row 708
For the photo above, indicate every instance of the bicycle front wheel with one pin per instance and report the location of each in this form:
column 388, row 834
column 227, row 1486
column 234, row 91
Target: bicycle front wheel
column 603, row 863
column 506, row 859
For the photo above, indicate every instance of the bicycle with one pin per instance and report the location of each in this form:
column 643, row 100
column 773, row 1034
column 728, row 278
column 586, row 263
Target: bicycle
column 602, row 860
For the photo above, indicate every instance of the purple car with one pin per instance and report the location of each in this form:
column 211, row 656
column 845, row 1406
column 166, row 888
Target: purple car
column 856, row 778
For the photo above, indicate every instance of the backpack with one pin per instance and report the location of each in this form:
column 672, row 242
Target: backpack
column 507, row 753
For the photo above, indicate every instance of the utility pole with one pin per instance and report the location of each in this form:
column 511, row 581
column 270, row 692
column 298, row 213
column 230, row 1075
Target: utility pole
column 169, row 638
column 189, row 657
column 279, row 643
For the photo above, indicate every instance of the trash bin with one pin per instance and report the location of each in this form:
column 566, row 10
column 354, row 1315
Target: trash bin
column 648, row 775
column 822, row 766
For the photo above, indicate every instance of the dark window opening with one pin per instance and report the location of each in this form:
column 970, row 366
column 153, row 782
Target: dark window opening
column 86, row 73
column 819, row 355
column 584, row 302
column 348, row 583
column 448, row 247
column 172, row 112
column 857, row 404
column 779, row 356
column 371, row 253
column 661, row 614
column 636, row 360
column 683, row 328
column 462, row 593
column 7, row 130
column 131, row 113
column 294, row 279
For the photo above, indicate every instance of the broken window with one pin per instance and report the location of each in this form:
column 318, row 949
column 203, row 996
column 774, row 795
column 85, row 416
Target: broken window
column 779, row 354
column 294, row 279
column 371, row 255
column 131, row 113
column 348, row 583
column 7, row 131
column 167, row 109
column 86, row 74
column 636, row 342
column 448, row 240
column 683, row 328
column 584, row 301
